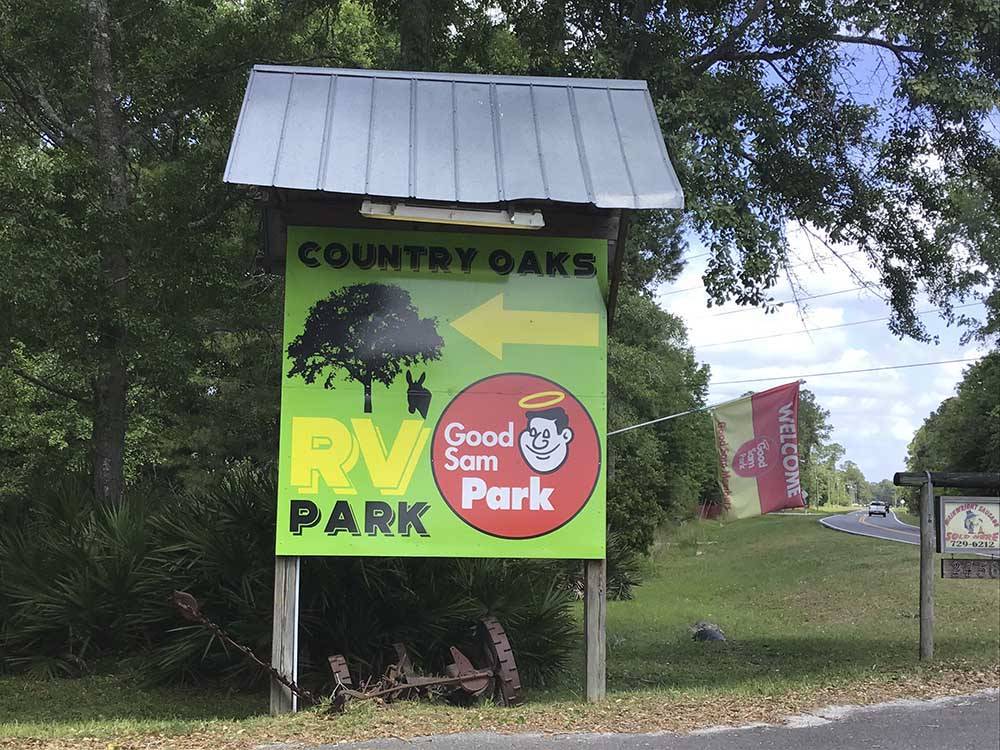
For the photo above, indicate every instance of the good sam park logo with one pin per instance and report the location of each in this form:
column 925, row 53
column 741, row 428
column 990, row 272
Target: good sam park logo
column 515, row 456
column 443, row 395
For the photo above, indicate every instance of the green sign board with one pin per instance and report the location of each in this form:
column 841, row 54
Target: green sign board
column 443, row 395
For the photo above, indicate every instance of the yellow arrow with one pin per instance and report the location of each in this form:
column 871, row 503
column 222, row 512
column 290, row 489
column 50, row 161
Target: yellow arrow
column 491, row 326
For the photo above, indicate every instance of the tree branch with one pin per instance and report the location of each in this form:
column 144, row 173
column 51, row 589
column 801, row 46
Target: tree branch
column 726, row 52
column 52, row 116
column 45, row 118
column 874, row 41
column 701, row 63
column 46, row 386
column 899, row 50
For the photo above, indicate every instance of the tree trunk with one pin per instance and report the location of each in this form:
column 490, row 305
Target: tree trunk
column 368, row 397
column 637, row 48
column 108, row 434
column 415, row 18
column 111, row 381
column 553, row 19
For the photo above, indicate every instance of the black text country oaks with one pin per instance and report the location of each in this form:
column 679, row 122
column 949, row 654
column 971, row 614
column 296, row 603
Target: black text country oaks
column 437, row 259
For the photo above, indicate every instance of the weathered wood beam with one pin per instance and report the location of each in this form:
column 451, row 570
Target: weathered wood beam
column 595, row 609
column 970, row 480
column 285, row 633
column 927, row 571
column 616, row 266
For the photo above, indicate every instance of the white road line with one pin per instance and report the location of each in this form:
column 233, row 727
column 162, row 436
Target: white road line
column 827, row 522
column 824, row 521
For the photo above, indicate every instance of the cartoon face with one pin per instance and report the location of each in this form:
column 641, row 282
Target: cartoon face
column 544, row 443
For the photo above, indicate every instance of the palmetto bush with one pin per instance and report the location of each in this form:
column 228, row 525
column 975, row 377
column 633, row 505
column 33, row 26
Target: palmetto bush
column 77, row 580
column 82, row 585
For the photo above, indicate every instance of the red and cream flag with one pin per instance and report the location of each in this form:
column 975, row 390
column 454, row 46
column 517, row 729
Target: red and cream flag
column 757, row 442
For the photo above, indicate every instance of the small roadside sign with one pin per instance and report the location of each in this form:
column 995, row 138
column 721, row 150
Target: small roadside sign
column 968, row 524
column 970, row 569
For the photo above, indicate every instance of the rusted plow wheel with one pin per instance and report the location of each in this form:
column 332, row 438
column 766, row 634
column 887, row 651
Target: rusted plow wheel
column 500, row 658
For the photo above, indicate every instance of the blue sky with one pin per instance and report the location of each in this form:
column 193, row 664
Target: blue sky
column 874, row 414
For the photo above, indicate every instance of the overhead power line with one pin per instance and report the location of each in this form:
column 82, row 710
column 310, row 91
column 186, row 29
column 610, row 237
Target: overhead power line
column 846, row 372
column 794, row 265
column 672, row 416
column 783, row 302
column 825, row 328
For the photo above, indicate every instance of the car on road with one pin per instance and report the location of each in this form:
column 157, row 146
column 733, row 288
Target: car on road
column 877, row 508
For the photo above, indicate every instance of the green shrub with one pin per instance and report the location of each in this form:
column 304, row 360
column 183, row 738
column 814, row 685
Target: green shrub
column 76, row 579
column 81, row 582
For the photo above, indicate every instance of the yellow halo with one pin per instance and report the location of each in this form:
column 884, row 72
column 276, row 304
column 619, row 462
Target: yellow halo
column 541, row 400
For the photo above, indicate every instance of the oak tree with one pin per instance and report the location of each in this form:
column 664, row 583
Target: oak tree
column 369, row 332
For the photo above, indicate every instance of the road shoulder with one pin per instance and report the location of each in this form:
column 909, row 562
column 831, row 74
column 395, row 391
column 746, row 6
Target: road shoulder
column 953, row 722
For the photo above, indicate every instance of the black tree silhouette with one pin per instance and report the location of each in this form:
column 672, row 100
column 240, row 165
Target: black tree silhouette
column 370, row 331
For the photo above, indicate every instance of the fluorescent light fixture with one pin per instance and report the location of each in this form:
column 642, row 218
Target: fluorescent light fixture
column 474, row 217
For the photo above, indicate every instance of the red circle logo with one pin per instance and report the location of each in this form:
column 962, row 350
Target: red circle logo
column 754, row 458
column 515, row 455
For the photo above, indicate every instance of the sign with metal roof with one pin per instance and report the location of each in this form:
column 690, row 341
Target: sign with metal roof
column 453, row 138
column 444, row 392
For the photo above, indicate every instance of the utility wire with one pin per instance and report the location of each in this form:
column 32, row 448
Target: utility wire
column 782, row 302
column 847, row 372
column 672, row 416
column 800, row 378
column 794, row 265
column 681, row 414
column 825, row 328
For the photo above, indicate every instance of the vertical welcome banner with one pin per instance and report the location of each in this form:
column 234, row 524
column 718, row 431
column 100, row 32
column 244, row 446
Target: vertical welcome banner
column 758, row 447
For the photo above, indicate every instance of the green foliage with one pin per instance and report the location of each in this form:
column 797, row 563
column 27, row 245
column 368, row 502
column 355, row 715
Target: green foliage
column 826, row 478
column 657, row 473
column 867, row 124
column 625, row 566
column 784, row 589
column 858, row 488
column 760, row 123
column 76, row 578
column 785, row 592
column 885, row 491
column 82, row 582
column 963, row 433
column 814, row 431
column 765, row 133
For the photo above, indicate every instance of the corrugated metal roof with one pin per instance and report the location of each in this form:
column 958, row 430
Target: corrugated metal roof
column 453, row 137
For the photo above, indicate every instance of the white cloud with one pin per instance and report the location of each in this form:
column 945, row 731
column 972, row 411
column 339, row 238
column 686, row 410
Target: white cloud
column 874, row 414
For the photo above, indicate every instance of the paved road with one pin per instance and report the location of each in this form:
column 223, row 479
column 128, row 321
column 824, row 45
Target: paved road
column 859, row 522
column 965, row 723
column 891, row 528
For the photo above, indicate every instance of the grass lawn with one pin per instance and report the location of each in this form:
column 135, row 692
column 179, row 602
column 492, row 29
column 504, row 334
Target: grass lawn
column 813, row 617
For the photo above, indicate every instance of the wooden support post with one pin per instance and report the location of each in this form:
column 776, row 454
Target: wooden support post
column 615, row 271
column 285, row 633
column 927, row 570
column 595, row 608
